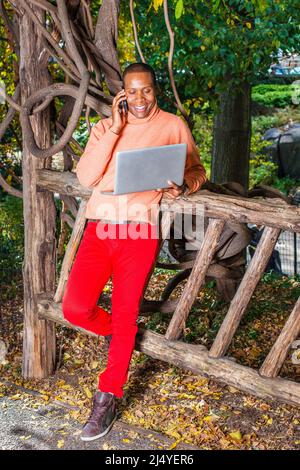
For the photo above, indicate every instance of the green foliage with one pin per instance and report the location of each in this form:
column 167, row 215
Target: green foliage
column 278, row 119
column 126, row 45
column 203, row 135
column 179, row 9
column 217, row 43
column 273, row 95
column 8, row 64
column 285, row 184
column 262, row 171
column 262, row 123
column 11, row 244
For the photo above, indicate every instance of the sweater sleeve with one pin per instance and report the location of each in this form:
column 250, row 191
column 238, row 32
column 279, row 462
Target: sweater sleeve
column 194, row 173
column 96, row 156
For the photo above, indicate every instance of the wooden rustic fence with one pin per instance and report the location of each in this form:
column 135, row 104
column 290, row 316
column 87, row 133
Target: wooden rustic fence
column 274, row 214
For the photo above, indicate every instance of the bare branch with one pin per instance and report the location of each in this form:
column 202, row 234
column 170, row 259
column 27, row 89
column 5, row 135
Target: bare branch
column 6, row 121
column 136, row 39
column 9, row 25
column 71, row 204
column 14, row 7
column 9, row 189
column 63, row 66
column 68, row 36
column 72, row 140
column 11, row 112
column 10, row 100
column 87, row 120
column 71, row 153
column 67, row 218
column 44, row 5
column 26, row 125
column 170, row 61
column 49, row 38
column 106, row 37
column 62, row 89
column 89, row 19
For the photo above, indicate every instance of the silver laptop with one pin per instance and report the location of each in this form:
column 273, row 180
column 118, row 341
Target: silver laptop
column 149, row 168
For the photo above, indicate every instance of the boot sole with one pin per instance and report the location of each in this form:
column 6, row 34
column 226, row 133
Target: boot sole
column 99, row 435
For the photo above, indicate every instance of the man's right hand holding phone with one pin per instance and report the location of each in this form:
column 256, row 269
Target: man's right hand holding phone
column 118, row 112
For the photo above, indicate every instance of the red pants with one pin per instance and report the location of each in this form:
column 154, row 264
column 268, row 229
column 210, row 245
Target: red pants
column 130, row 262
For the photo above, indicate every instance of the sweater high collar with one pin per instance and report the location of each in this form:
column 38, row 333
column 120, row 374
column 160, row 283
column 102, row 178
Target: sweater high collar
column 132, row 119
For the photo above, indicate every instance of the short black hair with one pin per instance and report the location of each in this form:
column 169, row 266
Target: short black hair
column 140, row 67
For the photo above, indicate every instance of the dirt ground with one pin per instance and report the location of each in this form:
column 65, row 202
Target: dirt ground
column 186, row 408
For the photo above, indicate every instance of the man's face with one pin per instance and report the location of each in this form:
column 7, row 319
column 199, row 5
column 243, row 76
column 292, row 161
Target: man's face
column 140, row 93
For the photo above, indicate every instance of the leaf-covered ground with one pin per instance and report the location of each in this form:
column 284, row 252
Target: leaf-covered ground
column 164, row 398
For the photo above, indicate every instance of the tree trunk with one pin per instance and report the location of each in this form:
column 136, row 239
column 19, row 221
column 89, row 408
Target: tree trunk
column 39, row 213
column 232, row 133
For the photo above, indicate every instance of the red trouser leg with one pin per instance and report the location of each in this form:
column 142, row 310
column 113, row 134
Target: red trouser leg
column 130, row 261
column 90, row 272
column 132, row 267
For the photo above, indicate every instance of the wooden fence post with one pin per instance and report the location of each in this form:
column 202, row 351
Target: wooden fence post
column 39, row 213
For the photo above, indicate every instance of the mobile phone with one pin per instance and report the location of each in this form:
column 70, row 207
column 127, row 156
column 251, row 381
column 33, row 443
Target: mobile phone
column 123, row 105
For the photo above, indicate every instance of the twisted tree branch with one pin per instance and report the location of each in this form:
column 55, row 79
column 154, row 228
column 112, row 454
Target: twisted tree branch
column 61, row 53
column 106, row 37
column 68, row 36
column 9, row 189
column 11, row 112
column 136, row 39
column 170, row 62
column 27, row 129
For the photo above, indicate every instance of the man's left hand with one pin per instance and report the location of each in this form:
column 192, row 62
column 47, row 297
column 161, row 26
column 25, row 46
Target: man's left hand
column 174, row 191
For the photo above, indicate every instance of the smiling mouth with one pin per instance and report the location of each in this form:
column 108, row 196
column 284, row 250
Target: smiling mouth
column 140, row 108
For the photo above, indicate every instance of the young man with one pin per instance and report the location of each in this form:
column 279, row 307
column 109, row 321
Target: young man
column 110, row 245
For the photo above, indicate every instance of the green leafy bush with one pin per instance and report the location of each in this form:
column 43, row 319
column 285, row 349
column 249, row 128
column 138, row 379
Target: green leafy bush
column 273, row 95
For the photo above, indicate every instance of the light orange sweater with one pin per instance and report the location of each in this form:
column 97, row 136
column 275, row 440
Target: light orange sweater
column 96, row 167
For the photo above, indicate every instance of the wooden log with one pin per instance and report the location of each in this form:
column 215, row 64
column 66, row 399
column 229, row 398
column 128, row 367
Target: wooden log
column 275, row 359
column 196, row 278
column 71, row 251
column 63, row 182
column 245, row 290
column 162, row 306
column 262, row 211
column 196, row 359
column 177, row 266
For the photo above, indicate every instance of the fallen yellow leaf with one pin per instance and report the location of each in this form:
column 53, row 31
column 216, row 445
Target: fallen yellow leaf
column 88, row 392
column 236, row 435
column 172, row 446
column 60, row 443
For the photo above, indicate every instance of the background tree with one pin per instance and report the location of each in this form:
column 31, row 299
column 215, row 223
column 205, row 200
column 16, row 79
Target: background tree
column 222, row 48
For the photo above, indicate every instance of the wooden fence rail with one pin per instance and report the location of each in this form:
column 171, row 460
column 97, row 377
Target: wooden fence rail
column 273, row 214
